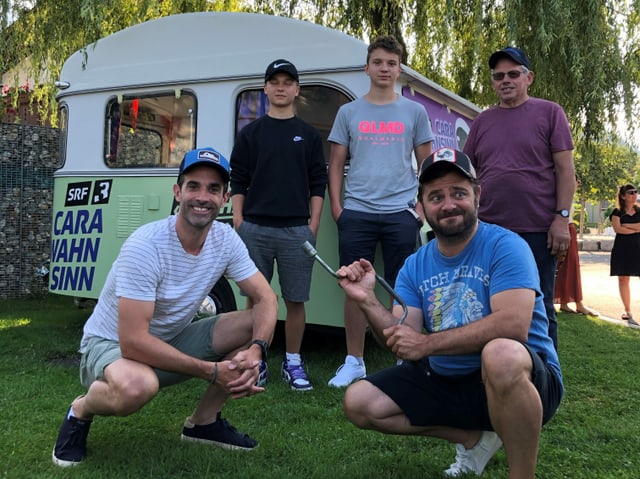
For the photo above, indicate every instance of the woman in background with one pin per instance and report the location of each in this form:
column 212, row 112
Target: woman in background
column 625, row 255
column 568, row 286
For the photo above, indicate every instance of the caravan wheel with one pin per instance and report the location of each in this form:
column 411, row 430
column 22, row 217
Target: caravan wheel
column 220, row 300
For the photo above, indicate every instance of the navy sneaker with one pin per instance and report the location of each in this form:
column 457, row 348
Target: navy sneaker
column 71, row 446
column 218, row 433
column 296, row 376
column 263, row 374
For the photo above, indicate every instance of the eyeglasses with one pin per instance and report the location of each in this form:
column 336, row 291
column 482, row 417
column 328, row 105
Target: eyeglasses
column 513, row 74
column 632, row 192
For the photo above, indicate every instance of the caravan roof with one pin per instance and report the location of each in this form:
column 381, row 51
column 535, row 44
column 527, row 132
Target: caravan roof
column 206, row 45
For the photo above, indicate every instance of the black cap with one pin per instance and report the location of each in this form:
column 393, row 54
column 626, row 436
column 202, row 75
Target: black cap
column 206, row 156
column 447, row 156
column 281, row 65
column 512, row 53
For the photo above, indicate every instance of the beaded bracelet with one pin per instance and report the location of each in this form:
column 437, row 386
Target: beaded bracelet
column 214, row 376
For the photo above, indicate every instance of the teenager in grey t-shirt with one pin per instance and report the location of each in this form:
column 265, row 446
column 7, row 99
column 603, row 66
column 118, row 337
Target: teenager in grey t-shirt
column 381, row 139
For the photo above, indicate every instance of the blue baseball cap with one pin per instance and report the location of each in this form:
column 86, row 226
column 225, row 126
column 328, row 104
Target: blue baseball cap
column 512, row 53
column 206, row 156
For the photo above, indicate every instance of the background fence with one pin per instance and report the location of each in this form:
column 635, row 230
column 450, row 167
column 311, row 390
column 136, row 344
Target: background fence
column 27, row 158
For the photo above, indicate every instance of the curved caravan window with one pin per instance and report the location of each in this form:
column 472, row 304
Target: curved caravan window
column 63, row 124
column 316, row 104
column 149, row 131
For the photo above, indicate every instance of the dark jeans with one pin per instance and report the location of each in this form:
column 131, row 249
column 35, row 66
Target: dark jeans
column 547, row 270
column 359, row 234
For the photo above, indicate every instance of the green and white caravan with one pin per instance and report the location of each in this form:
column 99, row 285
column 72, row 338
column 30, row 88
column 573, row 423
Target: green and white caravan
column 133, row 103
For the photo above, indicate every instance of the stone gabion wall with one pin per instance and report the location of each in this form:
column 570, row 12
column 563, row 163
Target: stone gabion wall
column 28, row 155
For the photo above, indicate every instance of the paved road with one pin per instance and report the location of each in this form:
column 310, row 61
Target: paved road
column 600, row 291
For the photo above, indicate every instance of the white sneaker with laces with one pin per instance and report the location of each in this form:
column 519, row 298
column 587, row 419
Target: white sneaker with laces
column 349, row 372
column 476, row 458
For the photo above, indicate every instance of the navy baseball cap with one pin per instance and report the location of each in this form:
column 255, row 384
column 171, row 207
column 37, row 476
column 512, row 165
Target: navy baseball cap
column 281, row 65
column 454, row 159
column 206, row 156
column 512, row 53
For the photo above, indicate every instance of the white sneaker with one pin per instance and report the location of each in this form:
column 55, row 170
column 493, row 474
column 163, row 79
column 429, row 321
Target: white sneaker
column 476, row 458
column 349, row 372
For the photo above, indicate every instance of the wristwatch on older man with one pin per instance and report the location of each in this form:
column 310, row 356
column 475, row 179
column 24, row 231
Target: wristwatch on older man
column 563, row 213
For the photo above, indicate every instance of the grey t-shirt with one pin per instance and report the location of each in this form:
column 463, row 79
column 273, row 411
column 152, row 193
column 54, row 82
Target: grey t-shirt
column 381, row 139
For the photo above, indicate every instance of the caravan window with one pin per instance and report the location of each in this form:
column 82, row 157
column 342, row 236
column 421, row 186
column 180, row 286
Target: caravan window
column 149, row 131
column 63, row 125
column 316, row 104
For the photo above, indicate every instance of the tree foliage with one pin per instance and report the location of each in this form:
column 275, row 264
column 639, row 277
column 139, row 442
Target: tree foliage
column 46, row 34
column 585, row 55
column 603, row 166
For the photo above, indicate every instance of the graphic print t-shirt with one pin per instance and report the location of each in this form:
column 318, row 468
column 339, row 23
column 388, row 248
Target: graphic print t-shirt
column 455, row 291
column 381, row 139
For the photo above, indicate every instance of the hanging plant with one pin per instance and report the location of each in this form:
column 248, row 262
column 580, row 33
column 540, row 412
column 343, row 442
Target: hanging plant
column 9, row 99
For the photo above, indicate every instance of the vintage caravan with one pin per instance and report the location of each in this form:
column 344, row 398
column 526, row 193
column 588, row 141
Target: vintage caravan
column 133, row 103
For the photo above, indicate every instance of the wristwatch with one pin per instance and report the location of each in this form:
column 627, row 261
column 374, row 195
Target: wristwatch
column 263, row 347
column 563, row 213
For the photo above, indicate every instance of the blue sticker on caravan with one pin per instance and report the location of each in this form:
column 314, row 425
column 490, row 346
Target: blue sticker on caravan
column 72, row 278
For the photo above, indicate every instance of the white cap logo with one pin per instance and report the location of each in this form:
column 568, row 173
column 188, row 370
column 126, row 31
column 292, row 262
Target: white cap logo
column 208, row 155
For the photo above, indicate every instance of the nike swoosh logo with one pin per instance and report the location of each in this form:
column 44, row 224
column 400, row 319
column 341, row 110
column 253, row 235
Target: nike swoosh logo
column 298, row 138
column 278, row 65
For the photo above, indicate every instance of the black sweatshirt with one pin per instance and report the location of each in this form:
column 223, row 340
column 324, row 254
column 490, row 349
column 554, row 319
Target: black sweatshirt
column 278, row 165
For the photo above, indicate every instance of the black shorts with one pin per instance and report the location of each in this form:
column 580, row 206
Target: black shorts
column 431, row 399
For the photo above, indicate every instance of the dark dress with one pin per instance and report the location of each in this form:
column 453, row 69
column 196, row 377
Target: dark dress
column 625, row 254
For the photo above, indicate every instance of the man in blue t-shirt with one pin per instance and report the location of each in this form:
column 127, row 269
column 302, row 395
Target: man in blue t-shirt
column 486, row 371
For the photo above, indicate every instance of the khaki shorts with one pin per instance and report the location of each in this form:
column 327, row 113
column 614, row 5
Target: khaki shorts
column 195, row 340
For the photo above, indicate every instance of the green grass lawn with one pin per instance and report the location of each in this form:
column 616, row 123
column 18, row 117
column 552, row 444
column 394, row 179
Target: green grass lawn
column 595, row 434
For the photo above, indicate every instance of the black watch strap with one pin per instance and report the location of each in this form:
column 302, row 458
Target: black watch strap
column 263, row 347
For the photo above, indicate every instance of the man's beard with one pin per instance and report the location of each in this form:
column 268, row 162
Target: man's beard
column 199, row 221
column 459, row 231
